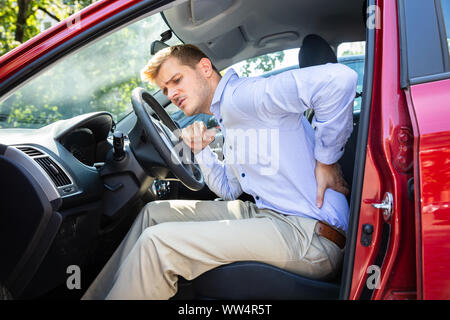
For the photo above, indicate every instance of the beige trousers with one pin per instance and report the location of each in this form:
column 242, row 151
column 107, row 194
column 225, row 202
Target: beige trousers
column 187, row 238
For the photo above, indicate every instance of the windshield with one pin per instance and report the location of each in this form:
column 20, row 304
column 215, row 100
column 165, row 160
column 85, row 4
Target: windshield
column 99, row 77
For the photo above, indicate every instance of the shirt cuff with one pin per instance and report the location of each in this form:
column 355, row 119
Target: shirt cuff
column 328, row 155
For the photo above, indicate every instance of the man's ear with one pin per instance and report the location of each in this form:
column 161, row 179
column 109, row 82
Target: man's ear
column 205, row 66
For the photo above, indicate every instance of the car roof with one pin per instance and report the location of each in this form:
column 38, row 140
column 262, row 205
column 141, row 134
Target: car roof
column 229, row 31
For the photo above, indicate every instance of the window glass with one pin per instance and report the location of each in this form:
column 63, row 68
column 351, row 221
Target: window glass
column 99, row 77
column 352, row 54
column 267, row 64
column 446, row 14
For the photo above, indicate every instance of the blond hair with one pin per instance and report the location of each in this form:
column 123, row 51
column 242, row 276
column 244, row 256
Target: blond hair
column 187, row 54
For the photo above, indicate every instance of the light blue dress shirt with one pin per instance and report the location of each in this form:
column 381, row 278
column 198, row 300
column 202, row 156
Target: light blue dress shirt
column 270, row 149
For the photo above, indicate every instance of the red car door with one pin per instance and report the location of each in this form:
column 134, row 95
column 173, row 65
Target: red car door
column 382, row 234
column 426, row 80
column 401, row 238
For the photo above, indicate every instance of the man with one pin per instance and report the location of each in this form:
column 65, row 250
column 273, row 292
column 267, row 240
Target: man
column 296, row 223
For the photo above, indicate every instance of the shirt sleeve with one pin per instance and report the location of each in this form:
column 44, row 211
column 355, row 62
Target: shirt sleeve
column 218, row 177
column 329, row 89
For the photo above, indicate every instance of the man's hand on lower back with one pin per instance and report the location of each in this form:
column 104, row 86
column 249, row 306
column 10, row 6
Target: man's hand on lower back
column 329, row 176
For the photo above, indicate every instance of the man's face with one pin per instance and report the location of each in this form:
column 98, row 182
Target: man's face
column 186, row 87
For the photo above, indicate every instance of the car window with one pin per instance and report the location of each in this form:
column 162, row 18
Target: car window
column 446, row 13
column 267, row 64
column 99, row 77
column 352, row 54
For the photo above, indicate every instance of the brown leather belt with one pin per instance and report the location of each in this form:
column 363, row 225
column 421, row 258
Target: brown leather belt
column 325, row 230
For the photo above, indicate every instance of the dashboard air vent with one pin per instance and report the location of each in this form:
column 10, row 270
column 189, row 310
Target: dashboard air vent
column 54, row 171
column 32, row 152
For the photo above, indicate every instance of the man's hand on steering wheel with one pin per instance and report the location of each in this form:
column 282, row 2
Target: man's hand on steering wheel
column 197, row 137
column 153, row 136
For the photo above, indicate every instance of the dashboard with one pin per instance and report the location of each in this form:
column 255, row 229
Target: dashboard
column 61, row 196
column 65, row 153
column 64, row 181
column 87, row 140
column 72, row 154
column 81, row 143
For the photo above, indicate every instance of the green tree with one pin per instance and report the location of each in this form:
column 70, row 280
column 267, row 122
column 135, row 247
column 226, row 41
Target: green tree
column 20, row 20
column 100, row 77
column 264, row 63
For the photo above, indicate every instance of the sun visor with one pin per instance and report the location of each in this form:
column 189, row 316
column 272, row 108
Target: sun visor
column 203, row 10
column 279, row 38
column 221, row 48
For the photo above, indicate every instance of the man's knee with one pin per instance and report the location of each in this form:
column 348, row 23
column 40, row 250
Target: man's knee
column 155, row 211
column 159, row 234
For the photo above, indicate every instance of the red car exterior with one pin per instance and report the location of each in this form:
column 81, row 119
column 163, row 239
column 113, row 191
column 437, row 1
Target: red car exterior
column 408, row 139
column 408, row 144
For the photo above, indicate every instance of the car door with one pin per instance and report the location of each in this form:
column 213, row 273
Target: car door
column 426, row 82
column 380, row 250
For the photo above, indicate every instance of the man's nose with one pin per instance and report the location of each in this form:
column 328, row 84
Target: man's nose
column 172, row 94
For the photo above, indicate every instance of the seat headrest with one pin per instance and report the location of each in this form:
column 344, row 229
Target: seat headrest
column 315, row 51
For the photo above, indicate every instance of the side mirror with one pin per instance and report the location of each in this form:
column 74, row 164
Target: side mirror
column 156, row 46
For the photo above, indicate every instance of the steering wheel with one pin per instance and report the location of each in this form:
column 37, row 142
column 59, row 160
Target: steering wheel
column 163, row 134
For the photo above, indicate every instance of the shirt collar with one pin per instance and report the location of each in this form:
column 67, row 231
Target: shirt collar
column 220, row 88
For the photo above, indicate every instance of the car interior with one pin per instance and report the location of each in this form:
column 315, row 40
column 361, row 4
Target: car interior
column 74, row 186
